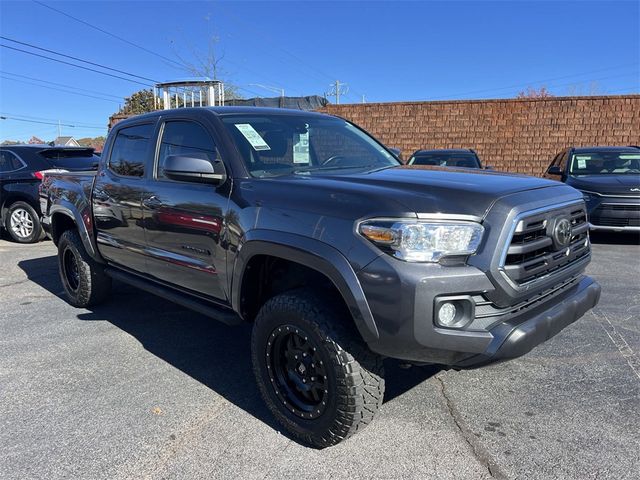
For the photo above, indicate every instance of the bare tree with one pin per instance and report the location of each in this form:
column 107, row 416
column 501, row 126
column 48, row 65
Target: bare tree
column 579, row 89
column 531, row 92
column 206, row 62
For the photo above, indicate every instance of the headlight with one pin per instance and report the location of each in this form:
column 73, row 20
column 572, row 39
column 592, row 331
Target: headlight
column 414, row 241
column 588, row 196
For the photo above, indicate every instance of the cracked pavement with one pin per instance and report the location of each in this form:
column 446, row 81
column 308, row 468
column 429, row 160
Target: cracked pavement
column 142, row 388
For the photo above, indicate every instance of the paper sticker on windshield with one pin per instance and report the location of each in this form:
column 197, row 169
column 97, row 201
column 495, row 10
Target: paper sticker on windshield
column 301, row 147
column 253, row 137
column 582, row 164
column 631, row 156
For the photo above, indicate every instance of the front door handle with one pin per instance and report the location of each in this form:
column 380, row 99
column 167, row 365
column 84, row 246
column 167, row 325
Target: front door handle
column 152, row 202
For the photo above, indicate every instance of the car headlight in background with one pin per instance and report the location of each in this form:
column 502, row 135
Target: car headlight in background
column 588, row 196
column 416, row 241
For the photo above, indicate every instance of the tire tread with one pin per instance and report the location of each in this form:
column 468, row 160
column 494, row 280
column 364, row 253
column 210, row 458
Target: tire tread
column 359, row 371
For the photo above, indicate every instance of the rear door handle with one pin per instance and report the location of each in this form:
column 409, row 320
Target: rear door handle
column 152, row 202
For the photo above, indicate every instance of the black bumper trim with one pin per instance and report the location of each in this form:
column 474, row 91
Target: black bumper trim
column 515, row 338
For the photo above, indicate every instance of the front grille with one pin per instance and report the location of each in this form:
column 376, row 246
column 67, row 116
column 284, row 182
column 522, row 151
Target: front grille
column 535, row 250
column 620, row 207
column 616, row 215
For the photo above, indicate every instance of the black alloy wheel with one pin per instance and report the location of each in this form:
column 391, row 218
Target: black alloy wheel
column 297, row 372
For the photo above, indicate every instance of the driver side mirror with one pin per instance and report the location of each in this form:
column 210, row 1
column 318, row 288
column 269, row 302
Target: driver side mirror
column 554, row 170
column 194, row 168
column 396, row 151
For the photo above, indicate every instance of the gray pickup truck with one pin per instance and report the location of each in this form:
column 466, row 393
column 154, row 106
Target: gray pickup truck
column 310, row 229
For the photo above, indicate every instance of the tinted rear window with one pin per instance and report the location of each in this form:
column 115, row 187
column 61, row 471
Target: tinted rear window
column 71, row 159
column 129, row 151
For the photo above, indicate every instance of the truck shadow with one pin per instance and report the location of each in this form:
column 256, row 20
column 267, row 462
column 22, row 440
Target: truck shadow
column 214, row 354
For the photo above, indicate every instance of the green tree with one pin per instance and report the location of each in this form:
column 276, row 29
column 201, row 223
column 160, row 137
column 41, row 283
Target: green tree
column 140, row 102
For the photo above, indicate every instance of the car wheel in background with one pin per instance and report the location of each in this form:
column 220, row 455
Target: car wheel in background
column 22, row 223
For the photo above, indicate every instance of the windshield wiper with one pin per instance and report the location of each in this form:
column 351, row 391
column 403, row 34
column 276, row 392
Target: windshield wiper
column 343, row 167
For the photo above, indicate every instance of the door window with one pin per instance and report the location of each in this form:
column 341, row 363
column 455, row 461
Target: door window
column 184, row 138
column 129, row 152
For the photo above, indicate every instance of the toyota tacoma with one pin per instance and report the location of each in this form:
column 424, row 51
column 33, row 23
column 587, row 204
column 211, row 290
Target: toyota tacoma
column 306, row 226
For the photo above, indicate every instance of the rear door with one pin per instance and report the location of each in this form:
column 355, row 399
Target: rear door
column 17, row 180
column 185, row 221
column 117, row 195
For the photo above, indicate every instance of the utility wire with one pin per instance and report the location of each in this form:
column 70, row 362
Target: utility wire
column 60, row 84
column 179, row 64
column 297, row 61
column 128, row 42
column 533, row 82
column 59, row 89
column 29, row 117
column 74, row 65
column 3, row 117
column 76, row 59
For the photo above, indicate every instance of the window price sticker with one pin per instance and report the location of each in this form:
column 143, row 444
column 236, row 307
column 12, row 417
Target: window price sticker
column 301, row 148
column 253, row 137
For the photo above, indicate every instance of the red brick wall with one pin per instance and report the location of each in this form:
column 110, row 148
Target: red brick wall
column 511, row 135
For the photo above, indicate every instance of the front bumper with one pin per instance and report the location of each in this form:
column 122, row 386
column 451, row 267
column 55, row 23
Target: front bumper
column 609, row 228
column 614, row 214
column 402, row 301
column 520, row 335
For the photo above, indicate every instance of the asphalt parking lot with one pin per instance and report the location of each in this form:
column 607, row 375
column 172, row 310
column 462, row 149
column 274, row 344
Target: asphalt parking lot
column 141, row 388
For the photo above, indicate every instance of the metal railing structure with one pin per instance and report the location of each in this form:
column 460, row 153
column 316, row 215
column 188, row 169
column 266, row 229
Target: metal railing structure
column 189, row 93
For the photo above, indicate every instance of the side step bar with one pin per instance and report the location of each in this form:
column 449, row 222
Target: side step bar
column 208, row 309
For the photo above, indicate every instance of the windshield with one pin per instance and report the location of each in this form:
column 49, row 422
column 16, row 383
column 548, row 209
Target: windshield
column 273, row 145
column 446, row 159
column 605, row 163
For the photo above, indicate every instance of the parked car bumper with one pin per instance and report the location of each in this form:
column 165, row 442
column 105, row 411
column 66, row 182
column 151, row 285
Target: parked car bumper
column 404, row 307
column 614, row 214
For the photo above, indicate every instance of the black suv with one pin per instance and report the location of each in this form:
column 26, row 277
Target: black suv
column 21, row 170
column 455, row 157
column 609, row 179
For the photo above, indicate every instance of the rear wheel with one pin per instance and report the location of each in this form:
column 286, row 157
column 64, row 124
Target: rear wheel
column 313, row 370
column 22, row 223
column 84, row 280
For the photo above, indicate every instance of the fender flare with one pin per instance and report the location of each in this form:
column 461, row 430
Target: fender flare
column 64, row 207
column 311, row 253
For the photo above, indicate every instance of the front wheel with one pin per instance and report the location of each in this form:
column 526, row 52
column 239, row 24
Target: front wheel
column 84, row 280
column 313, row 370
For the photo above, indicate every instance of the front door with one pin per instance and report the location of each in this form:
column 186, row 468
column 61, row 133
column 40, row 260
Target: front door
column 184, row 221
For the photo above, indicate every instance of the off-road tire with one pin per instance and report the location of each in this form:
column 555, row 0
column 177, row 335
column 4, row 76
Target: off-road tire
column 355, row 375
column 31, row 216
column 89, row 285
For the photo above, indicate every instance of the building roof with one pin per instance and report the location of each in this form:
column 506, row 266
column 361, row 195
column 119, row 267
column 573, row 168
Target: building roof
column 64, row 140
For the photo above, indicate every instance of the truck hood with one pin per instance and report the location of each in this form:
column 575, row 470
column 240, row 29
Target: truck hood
column 608, row 184
column 404, row 189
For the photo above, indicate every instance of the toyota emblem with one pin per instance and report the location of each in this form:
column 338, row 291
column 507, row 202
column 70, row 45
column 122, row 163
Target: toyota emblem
column 562, row 232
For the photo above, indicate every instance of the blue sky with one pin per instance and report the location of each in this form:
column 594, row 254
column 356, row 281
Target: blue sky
column 386, row 51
